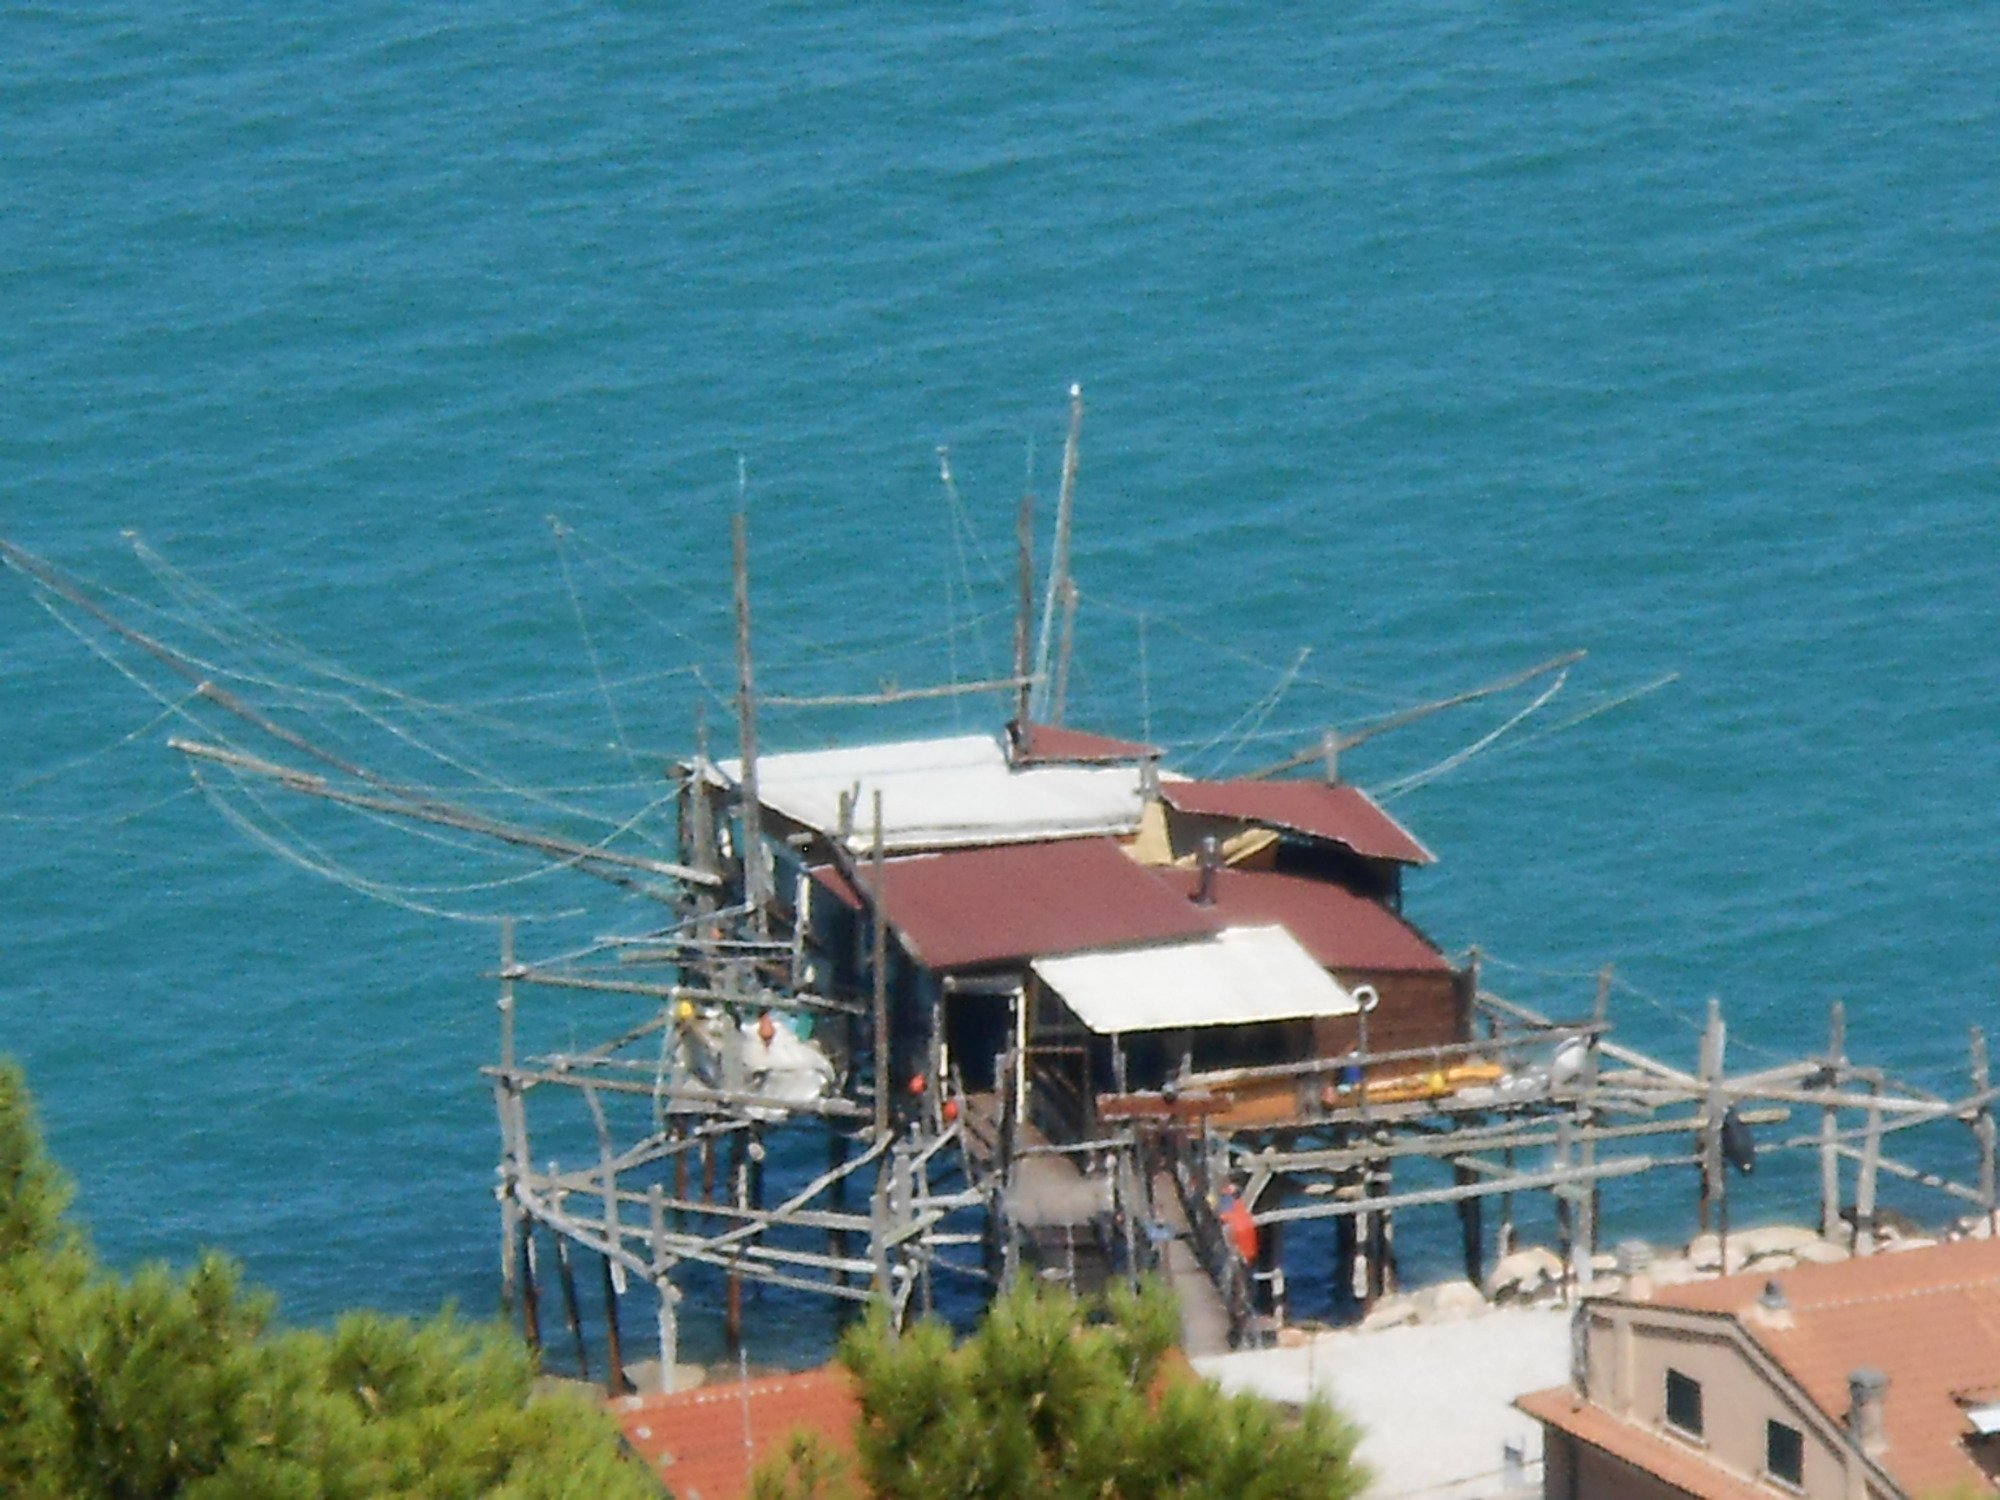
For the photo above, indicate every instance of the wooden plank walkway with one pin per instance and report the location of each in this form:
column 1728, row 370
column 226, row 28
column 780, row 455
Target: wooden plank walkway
column 1204, row 1317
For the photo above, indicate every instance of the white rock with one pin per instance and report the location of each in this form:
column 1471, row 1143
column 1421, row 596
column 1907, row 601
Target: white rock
column 1672, row 1270
column 1523, row 1273
column 1913, row 1242
column 1772, row 1239
column 1772, row 1261
column 1451, row 1302
column 1820, row 1253
column 1704, row 1252
column 1391, row 1312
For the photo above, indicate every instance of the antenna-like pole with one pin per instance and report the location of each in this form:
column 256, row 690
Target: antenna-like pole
column 1059, row 555
column 752, row 852
column 1024, row 531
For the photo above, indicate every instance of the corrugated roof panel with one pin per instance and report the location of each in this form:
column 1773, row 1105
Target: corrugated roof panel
column 1054, row 742
column 1340, row 929
column 945, row 793
column 1240, row 976
column 964, row 908
column 1339, row 814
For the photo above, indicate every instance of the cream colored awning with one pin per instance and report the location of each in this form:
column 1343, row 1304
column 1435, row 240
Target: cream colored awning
column 1240, row 976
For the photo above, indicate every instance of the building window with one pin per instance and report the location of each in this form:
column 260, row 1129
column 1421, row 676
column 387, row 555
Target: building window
column 1784, row 1453
column 1683, row 1403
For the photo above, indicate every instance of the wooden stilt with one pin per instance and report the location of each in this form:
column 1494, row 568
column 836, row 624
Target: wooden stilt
column 572, row 1309
column 1376, row 1248
column 1471, row 1231
column 1864, row 1182
column 739, row 1194
column 878, row 964
column 615, row 1382
column 1713, row 1040
column 1983, row 1129
column 665, row 1311
column 756, row 877
column 531, row 1312
column 1346, row 1258
column 1566, row 1237
column 1024, row 614
column 1829, row 1125
column 503, row 1092
column 510, row 1223
column 836, row 1238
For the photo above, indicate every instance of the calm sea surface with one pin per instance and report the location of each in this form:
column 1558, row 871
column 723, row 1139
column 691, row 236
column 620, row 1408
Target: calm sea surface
column 1437, row 338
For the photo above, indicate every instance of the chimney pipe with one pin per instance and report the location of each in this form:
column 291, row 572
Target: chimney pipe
column 1866, row 1389
column 1211, row 857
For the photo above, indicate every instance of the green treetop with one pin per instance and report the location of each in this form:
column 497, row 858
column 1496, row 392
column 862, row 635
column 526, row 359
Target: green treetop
column 1055, row 1398
column 170, row 1385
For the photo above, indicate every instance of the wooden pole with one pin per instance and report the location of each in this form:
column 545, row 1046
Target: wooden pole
column 879, row 965
column 1059, row 553
column 1566, row 1207
column 1714, row 1038
column 1591, row 1195
column 505, row 1097
column 1024, row 535
column 1983, row 1129
column 1380, row 1277
column 1471, row 1228
column 572, row 1309
column 669, row 1323
column 1829, row 1125
column 739, row 1192
column 755, row 882
column 1345, row 1256
column 836, row 1237
column 1864, row 1182
column 615, row 1383
column 1061, row 698
column 531, row 1312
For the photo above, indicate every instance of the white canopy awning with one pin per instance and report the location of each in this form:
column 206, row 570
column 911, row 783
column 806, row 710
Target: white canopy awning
column 1238, row 977
column 938, row 794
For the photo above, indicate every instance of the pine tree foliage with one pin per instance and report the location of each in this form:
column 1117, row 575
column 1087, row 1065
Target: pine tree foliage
column 1053, row 1398
column 166, row 1385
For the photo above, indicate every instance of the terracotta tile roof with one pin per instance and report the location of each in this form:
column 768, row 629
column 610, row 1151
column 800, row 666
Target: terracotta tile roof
column 696, row 1440
column 964, row 908
column 1675, row 1463
column 1929, row 1319
column 1342, row 814
column 1341, row 930
column 1043, row 743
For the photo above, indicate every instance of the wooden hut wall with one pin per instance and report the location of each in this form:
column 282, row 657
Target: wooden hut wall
column 1416, row 1010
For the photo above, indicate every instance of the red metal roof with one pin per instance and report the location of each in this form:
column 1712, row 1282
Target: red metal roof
column 1338, row 928
column 1340, row 814
column 964, row 908
column 705, row 1443
column 1052, row 742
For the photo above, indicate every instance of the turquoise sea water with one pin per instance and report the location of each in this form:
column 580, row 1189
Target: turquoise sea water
column 1437, row 338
